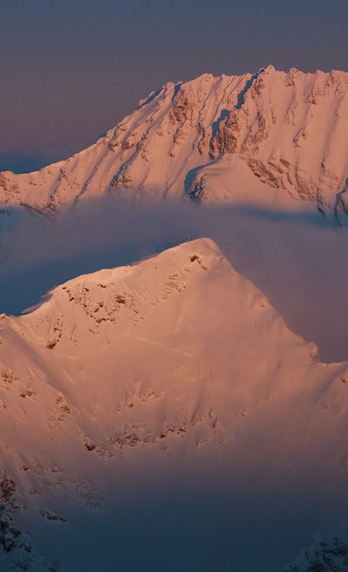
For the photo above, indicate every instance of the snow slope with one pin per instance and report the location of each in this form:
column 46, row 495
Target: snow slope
column 262, row 137
column 173, row 369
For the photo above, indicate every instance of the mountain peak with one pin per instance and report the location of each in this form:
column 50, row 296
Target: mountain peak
column 269, row 68
column 102, row 294
column 284, row 134
column 166, row 369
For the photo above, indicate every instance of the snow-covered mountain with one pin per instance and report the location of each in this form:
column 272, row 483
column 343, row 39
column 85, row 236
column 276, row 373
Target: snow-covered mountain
column 175, row 376
column 261, row 137
column 175, row 366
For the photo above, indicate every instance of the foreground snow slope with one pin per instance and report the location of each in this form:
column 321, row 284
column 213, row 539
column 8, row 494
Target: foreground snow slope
column 174, row 363
column 261, row 137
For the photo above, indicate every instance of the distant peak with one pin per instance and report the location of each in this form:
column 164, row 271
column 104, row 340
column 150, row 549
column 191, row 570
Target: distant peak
column 267, row 69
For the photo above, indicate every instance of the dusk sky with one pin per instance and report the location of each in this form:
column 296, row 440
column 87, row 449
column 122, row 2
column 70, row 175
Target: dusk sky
column 72, row 69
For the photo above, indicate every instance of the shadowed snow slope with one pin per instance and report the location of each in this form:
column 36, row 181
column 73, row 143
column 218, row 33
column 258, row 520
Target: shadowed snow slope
column 172, row 371
column 262, row 137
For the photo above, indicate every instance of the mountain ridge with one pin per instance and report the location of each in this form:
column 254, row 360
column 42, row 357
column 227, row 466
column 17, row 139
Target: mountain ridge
column 271, row 134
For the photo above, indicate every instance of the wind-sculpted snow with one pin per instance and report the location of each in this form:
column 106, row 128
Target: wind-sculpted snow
column 271, row 134
column 158, row 372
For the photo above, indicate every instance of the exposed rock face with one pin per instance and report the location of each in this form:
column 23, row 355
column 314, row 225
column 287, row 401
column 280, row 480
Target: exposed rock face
column 290, row 129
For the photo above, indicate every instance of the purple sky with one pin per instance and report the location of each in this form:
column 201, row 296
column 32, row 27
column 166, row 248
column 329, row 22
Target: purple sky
column 72, row 69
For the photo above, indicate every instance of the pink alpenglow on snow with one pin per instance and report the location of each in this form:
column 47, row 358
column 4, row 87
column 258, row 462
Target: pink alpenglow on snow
column 157, row 373
column 269, row 138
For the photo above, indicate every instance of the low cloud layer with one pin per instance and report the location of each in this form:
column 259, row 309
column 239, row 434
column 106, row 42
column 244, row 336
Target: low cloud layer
column 295, row 259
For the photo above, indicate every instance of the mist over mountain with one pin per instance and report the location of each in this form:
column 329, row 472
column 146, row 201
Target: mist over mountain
column 179, row 380
column 175, row 365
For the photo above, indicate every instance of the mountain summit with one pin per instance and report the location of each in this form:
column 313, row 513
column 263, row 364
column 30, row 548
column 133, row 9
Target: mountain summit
column 174, row 370
column 229, row 138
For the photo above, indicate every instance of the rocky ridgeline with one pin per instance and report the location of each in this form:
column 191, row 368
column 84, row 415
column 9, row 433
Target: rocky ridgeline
column 290, row 129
